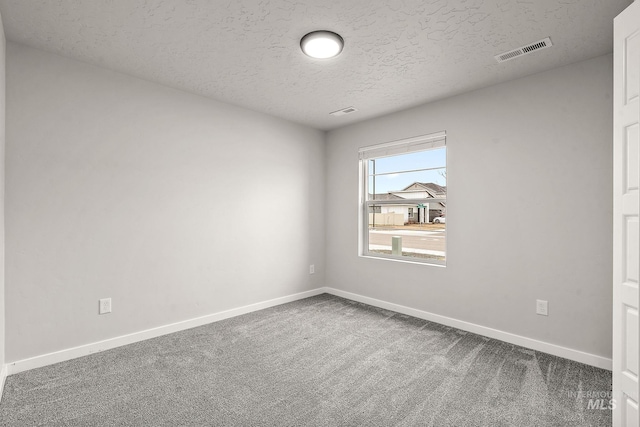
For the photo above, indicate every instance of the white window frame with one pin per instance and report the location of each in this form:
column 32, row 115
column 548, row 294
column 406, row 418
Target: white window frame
column 403, row 146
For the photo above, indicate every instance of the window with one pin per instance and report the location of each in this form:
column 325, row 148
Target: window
column 404, row 199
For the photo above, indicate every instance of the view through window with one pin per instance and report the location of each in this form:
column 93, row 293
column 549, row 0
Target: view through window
column 404, row 196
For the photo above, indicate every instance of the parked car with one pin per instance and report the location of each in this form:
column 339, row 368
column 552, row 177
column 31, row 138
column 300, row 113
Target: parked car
column 438, row 220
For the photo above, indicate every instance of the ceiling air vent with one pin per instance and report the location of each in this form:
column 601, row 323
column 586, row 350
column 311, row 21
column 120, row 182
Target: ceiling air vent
column 524, row 50
column 344, row 111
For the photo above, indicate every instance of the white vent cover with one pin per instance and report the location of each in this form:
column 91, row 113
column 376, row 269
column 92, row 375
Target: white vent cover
column 344, row 111
column 524, row 50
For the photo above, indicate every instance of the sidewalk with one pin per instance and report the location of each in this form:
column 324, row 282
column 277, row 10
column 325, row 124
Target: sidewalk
column 422, row 227
column 407, row 250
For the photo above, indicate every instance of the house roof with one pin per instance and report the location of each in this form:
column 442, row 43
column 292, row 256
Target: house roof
column 385, row 196
column 432, row 188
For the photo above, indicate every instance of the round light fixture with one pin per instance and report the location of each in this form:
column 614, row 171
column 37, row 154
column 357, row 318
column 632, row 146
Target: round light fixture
column 322, row 44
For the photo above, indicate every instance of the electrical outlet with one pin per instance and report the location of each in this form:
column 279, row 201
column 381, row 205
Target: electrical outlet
column 542, row 307
column 312, row 269
column 105, row 306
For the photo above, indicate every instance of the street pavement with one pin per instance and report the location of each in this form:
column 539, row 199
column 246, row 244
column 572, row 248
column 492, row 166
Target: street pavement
column 419, row 241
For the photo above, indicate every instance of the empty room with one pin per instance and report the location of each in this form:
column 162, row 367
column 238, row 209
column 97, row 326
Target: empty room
column 322, row 213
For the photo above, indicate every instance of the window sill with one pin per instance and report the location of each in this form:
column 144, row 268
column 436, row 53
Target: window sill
column 405, row 260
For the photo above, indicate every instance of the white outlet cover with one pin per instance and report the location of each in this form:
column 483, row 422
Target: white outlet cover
column 104, row 306
column 542, row 307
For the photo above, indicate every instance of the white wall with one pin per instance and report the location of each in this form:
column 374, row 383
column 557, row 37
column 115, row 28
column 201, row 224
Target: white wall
column 121, row 188
column 528, row 209
column 2, row 148
column 174, row 205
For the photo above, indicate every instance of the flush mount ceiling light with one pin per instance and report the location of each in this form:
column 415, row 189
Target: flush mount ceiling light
column 322, row 44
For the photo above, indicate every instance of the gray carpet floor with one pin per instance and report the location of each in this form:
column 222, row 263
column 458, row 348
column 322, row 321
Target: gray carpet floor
column 321, row 361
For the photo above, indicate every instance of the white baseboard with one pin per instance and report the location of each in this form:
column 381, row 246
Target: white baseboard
column 85, row 350
column 3, row 378
column 556, row 350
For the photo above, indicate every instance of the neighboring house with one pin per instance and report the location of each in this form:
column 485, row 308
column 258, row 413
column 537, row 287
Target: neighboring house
column 411, row 212
column 389, row 214
column 424, row 190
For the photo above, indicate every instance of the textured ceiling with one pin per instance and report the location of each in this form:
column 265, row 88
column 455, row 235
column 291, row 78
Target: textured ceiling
column 398, row 53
